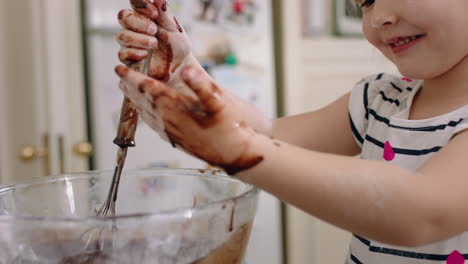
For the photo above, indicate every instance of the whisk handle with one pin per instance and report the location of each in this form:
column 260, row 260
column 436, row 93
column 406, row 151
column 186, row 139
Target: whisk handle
column 128, row 115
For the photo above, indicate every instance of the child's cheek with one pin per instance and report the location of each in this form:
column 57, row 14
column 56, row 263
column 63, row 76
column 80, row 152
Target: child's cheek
column 367, row 28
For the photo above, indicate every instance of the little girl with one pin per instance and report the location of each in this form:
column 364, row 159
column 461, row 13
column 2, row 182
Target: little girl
column 404, row 198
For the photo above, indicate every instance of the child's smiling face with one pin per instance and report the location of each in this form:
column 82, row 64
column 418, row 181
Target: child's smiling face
column 423, row 38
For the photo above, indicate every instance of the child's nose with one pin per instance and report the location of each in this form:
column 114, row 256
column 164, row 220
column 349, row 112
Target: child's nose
column 383, row 14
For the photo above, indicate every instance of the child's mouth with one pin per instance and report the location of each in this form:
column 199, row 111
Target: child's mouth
column 404, row 43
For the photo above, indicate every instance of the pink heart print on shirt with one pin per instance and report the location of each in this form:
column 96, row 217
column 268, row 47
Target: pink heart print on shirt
column 406, row 79
column 388, row 153
column 455, row 258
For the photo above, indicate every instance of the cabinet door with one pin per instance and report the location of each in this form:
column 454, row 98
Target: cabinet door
column 42, row 104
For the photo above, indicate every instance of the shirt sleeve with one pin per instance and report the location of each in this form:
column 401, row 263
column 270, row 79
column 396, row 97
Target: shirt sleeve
column 361, row 96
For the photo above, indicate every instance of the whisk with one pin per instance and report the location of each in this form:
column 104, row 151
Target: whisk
column 124, row 139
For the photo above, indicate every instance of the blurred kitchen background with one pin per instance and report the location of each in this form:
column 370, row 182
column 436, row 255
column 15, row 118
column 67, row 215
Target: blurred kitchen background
column 60, row 102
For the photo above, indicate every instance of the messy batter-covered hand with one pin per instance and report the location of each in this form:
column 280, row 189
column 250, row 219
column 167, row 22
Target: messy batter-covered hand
column 205, row 125
column 151, row 25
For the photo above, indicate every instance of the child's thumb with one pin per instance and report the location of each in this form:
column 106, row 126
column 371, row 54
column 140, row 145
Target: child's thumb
column 208, row 92
column 165, row 18
column 145, row 7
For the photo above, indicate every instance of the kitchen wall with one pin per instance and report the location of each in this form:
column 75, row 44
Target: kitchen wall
column 317, row 71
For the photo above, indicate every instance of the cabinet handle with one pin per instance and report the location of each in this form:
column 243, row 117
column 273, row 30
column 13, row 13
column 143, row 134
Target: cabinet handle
column 84, row 149
column 30, row 152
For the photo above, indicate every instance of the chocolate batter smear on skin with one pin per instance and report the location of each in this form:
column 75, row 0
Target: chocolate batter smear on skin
column 164, row 6
column 145, row 8
column 124, row 17
column 241, row 164
column 179, row 27
column 121, row 14
column 125, row 39
column 162, row 71
column 206, row 114
column 174, row 69
column 171, row 138
column 132, row 58
column 139, row 3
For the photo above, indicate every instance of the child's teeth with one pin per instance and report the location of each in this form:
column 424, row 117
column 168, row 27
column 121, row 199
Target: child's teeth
column 404, row 41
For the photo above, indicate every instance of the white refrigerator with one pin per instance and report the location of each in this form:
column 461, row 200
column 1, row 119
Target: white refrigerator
column 233, row 39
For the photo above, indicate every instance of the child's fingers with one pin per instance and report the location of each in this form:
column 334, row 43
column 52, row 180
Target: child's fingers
column 143, row 89
column 137, row 22
column 130, row 56
column 133, row 78
column 208, row 93
column 165, row 18
column 160, row 62
column 146, row 8
column 133, row 39
column 162, row 108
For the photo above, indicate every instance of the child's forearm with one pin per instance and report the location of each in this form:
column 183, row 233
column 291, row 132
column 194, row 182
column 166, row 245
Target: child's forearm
column 255, row 118
column 369, row 198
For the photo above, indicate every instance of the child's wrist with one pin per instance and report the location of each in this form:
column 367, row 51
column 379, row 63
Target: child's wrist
column 259, row 146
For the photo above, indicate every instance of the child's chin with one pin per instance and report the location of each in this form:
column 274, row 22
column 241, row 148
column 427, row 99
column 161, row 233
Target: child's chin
column 418, row 74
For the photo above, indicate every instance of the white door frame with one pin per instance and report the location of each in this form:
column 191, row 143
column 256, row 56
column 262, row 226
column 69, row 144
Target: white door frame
column 3, row 134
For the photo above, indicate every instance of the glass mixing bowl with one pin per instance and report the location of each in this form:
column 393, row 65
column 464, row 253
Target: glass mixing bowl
column 162, row 216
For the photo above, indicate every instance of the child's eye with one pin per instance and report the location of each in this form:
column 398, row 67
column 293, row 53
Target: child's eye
column 367, row 3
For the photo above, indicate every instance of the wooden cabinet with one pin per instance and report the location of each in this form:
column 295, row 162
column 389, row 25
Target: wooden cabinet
column 41, row 89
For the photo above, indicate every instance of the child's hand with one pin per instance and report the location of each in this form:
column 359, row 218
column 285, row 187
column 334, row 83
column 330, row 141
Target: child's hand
column 206, row 125
column 153, row 26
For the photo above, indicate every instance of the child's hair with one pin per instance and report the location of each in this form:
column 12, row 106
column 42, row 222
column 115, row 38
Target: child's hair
column 353, row 7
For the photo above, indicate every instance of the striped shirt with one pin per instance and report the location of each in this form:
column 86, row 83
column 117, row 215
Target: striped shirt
column 378, row 111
